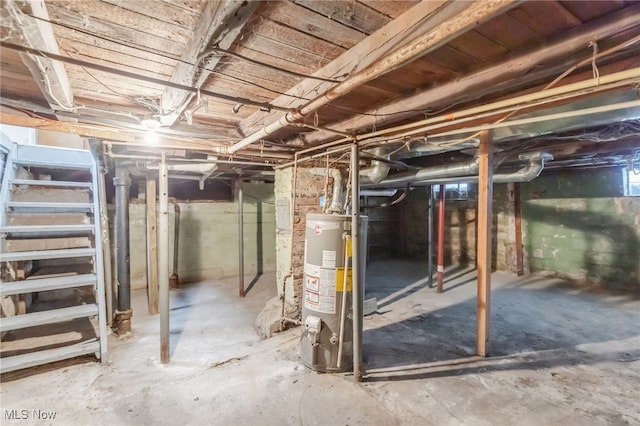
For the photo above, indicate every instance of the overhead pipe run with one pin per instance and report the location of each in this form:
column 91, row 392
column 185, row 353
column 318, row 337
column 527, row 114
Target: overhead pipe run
column 419, row 128
column 378, row 170
column 203, row 169
column 527, row 173
column 399, row 180
column 515, row 66
column 470, row 17
column 465, row 173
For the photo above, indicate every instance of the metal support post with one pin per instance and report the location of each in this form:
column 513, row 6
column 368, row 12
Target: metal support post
column 358, row 288
column 239, row 197
column 441, row 216
column 430, row 234
column 163, row 259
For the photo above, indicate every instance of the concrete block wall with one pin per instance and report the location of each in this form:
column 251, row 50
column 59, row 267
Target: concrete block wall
column 208, row 240
column 380, row 237
column 577, row 225
column 411, row 225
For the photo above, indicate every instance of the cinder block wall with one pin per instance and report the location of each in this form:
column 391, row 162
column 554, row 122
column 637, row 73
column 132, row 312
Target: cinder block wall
column 411, row 223
column 208, row 237
column 577, row 225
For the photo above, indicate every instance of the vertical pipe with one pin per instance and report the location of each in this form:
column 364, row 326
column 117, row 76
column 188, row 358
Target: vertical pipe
column 163, row 259
column 96, row 148
column 123, row 315
column 430, row 234
column 441, row 206
column 358, row 296
column 174, row 279
column 485, row 198
column 239, row 196
column 517, row 210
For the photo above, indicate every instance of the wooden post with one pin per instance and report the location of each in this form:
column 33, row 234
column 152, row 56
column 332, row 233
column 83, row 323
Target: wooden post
column 485, row 198
column 440, row 266
column 518, row 224
column 152, row 247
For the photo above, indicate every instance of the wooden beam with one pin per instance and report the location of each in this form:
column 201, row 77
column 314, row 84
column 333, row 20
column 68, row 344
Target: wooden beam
column 514, row 67
column 220, row 25
column 37, row 32
column 470, row 16
column 485, row 198
column 152, row 247
column 417, row 21
column 73, row 128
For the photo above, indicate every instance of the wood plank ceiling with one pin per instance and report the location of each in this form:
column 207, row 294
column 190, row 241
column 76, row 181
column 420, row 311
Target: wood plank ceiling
column 247, row 64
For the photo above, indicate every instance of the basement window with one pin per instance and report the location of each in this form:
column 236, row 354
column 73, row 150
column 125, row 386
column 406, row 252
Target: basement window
column 454, row 191
column 631, row 179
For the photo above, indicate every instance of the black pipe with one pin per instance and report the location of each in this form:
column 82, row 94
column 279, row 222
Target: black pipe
column 174, row 279
column 430, row 234
column 122, row 181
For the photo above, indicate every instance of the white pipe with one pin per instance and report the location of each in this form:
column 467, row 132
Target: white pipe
column 343, row 306
column 336, row 197
column 204, row 169
column 378, row 192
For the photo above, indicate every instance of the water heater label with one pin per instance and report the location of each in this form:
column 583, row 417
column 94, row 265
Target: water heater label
column 328, row 259
column 310, row 269
column 320, row 290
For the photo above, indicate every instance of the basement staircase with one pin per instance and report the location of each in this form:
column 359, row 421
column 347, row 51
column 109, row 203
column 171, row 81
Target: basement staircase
column 50, row 251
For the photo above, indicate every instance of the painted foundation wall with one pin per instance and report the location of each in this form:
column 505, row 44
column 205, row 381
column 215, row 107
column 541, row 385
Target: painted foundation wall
column 577, row 225
column 410, row 225
column 208, row 242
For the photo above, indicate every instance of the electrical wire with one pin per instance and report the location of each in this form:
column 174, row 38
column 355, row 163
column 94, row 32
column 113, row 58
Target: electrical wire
column 220, row 51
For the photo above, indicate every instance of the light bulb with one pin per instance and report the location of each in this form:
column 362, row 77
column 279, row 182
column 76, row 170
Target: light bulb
column 151, row 137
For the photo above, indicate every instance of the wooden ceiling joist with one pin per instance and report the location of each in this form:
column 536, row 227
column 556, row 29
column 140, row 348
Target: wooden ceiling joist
column 31, row 19
column 219, row 26
column 514, row 66
column 442, row 29
column 413, row 23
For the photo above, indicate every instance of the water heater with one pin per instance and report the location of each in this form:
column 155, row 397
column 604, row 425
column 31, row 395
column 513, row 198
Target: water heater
column 327, row 335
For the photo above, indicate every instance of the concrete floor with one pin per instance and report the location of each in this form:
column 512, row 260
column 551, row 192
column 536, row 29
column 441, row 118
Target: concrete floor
column 561, row 355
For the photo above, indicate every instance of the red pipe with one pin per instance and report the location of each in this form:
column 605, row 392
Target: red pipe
column 441, row 239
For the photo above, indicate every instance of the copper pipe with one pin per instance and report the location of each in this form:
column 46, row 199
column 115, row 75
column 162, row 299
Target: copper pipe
column 441, row 239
